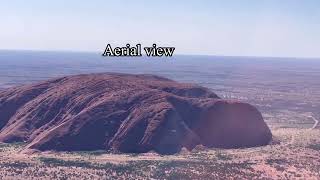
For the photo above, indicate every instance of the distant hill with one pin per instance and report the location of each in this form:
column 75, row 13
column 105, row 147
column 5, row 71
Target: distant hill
column 125, row 113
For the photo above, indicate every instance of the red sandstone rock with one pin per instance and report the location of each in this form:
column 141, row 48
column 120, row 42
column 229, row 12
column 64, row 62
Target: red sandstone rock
column 126, row 113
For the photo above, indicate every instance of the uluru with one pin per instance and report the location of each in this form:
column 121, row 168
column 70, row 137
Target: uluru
column 126, row 113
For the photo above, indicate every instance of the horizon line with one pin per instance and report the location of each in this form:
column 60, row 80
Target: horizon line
column 208, row 55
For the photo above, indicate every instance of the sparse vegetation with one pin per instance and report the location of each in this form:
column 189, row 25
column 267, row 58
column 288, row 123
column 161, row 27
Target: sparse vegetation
column 314, row 147
column 65, row 163
column 91, row 153
column 15, row 164
column 276, row 161
column 222, row 156
column 252, row 163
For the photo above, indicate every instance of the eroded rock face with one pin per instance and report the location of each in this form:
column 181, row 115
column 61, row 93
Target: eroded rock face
column 125, row 113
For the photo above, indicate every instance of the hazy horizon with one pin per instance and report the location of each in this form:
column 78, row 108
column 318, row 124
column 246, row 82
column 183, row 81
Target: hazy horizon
column 272, row 28
column 100, row 52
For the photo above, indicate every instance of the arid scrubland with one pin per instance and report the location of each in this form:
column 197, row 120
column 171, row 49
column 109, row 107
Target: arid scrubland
column 295, row 153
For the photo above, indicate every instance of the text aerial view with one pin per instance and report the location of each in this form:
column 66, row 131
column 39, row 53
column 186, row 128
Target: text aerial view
column 160, row 89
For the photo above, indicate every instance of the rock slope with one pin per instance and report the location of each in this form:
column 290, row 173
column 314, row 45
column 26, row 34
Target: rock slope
column 125, row 113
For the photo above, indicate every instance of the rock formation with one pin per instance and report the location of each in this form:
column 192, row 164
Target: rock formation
column 125, row 113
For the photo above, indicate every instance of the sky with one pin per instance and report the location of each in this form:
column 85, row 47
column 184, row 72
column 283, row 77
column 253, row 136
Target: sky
column 276, row 28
